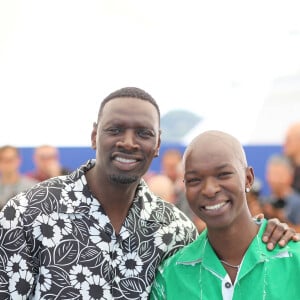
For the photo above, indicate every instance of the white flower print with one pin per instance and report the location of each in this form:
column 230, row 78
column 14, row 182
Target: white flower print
column 179, row 229
column 46, row 230
column 164, row 238
column 20, row 285
column 76, row 253
column 23, row 202
column 115, row 255
column 44, row 280
column 145, row 294
column 77, row 276
column 63, row 222
column 98, row 215
column 95, row 288
column 76, row 193
column 148, row 209
column 15, row 264
column 9, row 215
column 97, row 238
column 131, row 265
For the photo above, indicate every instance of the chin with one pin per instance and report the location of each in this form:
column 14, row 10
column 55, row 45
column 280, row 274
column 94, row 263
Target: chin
column 123, row 179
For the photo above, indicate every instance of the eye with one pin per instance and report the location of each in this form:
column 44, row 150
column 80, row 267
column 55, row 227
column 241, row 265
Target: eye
column 114, row 130
column 224, row 175
column 145, row 132
column 192, row 181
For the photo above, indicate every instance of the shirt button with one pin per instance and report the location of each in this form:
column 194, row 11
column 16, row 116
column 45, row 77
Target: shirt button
column 228, row 285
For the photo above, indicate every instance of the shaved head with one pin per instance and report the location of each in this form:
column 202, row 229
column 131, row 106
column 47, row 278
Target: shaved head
column 217, row 141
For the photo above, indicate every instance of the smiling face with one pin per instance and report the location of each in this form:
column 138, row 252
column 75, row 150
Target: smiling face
column 216, row 177
column 126, row 139
column 10, row 161
column 291, row 144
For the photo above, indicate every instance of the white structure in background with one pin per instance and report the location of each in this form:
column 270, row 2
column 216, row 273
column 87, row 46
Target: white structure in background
column 268, row 125
column 280, row 109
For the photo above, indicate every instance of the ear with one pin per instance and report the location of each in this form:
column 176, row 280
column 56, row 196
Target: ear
column 158, row 145
column 94, row 135
column 249, row 177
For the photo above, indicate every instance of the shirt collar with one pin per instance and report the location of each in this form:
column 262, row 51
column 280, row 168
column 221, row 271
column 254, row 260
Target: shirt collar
column 77, row 198
column 201, row 251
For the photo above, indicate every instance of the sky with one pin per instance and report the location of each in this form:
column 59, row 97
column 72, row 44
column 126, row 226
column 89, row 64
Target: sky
column 219, row 59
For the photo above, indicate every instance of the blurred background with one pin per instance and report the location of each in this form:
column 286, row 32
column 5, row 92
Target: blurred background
column 228, row 65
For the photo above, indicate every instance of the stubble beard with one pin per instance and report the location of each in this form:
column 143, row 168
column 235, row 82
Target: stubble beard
column 123, row 179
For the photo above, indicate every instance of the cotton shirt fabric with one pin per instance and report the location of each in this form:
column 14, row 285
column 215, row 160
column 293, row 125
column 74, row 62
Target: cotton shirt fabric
column 56, row 242
column 195, row 272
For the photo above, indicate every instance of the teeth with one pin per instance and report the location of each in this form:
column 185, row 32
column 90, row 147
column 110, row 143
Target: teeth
column 214, row 207
column 124, row 160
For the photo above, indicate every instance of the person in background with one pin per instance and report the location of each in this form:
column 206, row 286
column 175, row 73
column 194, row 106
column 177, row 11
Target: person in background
column 284, row 201
column 12, row 182
column 162, row 186
column 228, row 260
column 291, row 149
column 47, row 163
column 171, row 166
column 99, row 233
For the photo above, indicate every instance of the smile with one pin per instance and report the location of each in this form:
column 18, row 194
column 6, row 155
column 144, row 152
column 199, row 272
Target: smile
column 216, row 206
column 125, row 160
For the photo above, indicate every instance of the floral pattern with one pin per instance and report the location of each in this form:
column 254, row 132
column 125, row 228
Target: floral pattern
column 56, row 242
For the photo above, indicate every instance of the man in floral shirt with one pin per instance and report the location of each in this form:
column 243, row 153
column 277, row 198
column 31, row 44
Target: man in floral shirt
column 98, row 233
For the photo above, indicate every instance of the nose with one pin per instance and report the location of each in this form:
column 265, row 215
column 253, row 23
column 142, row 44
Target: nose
column 210, row 187
column 127, row 141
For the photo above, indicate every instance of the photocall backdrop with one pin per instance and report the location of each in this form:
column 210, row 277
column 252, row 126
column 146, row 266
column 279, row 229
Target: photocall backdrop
column 72, row 157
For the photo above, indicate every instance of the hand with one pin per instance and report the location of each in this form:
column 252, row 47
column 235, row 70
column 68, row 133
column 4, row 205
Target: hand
column 277, row 232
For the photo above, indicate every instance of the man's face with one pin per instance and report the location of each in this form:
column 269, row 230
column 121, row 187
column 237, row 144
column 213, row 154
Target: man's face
column 291, row 144
column 45, row 157
column 279, row 178
column 9, row 161
column 215, row 182
column 126, row 138
column 170, row 165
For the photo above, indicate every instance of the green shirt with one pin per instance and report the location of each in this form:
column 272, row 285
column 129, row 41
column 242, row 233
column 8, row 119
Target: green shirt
column 195, row 272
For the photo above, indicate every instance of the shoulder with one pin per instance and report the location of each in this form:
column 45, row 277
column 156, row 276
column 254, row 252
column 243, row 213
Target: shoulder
column 159, row 209
column 191, row 254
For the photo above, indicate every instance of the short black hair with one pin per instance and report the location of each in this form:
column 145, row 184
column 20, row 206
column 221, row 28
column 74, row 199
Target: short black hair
column 129, row 92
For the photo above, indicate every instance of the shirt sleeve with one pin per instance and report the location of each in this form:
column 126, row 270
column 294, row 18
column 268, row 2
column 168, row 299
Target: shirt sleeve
column 16, row 262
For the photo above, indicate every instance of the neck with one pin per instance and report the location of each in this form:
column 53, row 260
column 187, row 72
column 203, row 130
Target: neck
column 116, row 199
column 236, row 240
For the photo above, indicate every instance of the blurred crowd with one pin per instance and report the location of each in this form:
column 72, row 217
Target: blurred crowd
column 46, row 162
column 282, row 175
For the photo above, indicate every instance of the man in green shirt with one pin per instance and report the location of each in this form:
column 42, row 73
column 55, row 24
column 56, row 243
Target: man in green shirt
column 229, row 259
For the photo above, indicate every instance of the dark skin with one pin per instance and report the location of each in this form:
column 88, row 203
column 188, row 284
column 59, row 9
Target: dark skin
column 126, row 139
column 216, row 179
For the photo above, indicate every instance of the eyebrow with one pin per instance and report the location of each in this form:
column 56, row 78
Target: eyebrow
column 218, row 168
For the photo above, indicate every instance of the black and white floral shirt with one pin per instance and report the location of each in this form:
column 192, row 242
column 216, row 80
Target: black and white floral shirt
column 56, row 242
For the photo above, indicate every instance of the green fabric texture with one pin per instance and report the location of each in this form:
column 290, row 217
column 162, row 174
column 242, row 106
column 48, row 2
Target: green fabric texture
column 195, row 272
